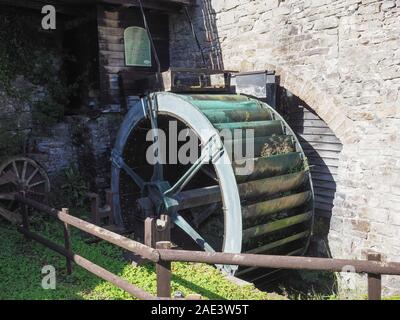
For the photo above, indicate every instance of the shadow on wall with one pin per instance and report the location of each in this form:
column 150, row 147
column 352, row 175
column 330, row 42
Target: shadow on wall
column 322, row 149
column 214, row 49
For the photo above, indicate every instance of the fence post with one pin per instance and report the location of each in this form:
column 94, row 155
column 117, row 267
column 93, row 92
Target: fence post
column 67, row 242
column 25, row 217
column 163, row 228
column 150, row 232
column 163, row 270
column 25, row 220
column 374, row 280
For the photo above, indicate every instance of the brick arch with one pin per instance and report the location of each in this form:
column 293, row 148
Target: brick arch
column 327, row 108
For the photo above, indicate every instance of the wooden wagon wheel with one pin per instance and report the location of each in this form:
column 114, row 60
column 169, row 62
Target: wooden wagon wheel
column 21, row 174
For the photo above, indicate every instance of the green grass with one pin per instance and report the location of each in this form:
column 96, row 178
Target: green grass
column 21, row 263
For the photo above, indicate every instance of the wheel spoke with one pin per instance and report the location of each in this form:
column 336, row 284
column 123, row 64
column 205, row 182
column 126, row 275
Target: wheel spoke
column 209, row 173
column 7, row 196
column 186, row 227
column 119, row 162
column 15, row 169
column 23, row 174
column 8, row 177
column 135, row 177
column 35, row 184
column 158, row 173
column 36, row 193
column 31, row 176
column 211, row 151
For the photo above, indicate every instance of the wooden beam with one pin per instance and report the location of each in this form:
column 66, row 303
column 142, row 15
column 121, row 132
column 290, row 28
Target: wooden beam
column 167, row 5
column 63, row 8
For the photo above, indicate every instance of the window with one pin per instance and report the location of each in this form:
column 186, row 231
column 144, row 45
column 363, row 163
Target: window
column 137, row 47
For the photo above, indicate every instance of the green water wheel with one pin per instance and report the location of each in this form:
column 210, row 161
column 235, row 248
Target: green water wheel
column 215, row 206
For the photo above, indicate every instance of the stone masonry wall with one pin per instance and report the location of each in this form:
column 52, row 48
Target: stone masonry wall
column 343, row 59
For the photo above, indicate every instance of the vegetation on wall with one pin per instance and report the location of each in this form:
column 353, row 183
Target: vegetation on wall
column 71, row 191
column 29, row 52
column 11, row 143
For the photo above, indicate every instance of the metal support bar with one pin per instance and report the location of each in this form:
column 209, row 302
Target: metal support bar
column 211, row 151
column 163, row 270
column 67, row 243
column 374, row 279
column 119, row 162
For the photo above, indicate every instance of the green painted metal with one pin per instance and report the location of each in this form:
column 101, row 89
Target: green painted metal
column 239, row 115
column 279, row 243
column 276, row 205
column 275, row 225
column 204, row 105
column 269, row 186
column 272, row 166
column 217, row 97
column 264, row 146
column 261, row 128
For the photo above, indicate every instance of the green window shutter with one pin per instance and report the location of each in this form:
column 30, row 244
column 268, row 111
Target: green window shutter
column 137, row 47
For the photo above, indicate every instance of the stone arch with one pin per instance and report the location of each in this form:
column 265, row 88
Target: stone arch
column 331, row 111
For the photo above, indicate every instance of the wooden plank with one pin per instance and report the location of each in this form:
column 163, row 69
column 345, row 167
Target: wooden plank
column 323, row 199
column 326, row 146
column 111, row 39
column 331, row 162
column 38, row 5
column 115, row 70
column 321, row 153
column 323, row 169
column 112, row 54
column 113, row 23
column 111, row 31
column 323, row 206
column 163, row 5
column 328, row 138
column 324, row 192
column 323, row 213
column 300, row 129
column 306, row 115
column 324, row 184
column 106, row 46
column 113, row 62
column 310, row 123
column 324, row 177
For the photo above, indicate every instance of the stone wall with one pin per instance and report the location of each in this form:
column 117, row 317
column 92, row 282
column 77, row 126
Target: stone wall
column 78, row 141
column 343, row 59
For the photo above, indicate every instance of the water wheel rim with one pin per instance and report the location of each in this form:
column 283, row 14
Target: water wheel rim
column 181, row 109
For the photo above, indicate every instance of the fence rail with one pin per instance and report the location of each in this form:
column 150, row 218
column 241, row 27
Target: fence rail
column 162, row 255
